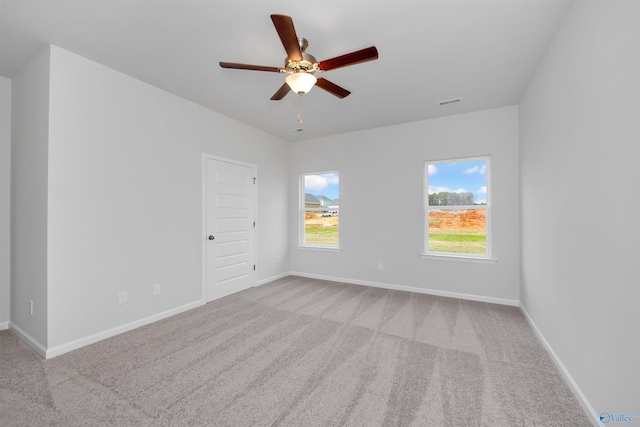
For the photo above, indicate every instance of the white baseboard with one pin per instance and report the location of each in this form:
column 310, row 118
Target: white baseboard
column 272, row 278
column 492, row 300
column 4, row 325
column 73, row 345
column 582, row 399
column 32, row 342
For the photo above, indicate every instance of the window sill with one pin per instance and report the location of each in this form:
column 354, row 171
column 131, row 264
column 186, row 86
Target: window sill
column 320, row 248
column 459, row 258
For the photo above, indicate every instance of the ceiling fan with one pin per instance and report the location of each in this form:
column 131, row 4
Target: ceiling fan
column 300, row 66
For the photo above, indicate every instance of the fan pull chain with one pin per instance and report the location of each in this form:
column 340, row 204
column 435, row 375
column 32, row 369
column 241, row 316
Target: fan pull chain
column 300, row 110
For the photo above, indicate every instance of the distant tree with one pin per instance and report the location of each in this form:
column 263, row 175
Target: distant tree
column 447, row 198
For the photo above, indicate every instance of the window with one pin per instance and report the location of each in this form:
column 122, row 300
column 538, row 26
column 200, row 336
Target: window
column 319, row 208
column 457, row 208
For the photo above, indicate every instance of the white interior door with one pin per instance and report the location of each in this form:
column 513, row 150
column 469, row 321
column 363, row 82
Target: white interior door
column 230, row 194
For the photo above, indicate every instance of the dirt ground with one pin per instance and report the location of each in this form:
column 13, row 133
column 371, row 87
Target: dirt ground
column 314, row 219
column 475, row 220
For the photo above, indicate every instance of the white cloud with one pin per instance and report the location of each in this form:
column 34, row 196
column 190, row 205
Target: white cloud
column 482, row 190
column 432, row 169
column 480, row 169
column 471, row 170
column 315, row 183
column 332, row 178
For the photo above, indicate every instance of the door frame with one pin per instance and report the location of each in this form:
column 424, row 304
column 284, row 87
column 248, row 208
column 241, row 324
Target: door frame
column 203, row 232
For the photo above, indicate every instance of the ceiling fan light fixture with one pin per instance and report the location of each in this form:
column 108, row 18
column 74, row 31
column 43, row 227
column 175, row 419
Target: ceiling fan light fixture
column 300, row 65
column 301, row 82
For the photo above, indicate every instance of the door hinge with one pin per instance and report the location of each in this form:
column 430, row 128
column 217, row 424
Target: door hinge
column 254, row 267
column 254, row 224
column 254, row 180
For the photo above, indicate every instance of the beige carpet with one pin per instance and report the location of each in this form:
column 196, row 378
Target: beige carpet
column 300, row 352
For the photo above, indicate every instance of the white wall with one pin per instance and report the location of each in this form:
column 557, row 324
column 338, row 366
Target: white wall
column 5, row 197
column 124, row 198
column 29, row 168
column 580, row 156
column 381, row 215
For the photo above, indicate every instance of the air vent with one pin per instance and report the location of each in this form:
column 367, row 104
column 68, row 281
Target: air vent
column 450, row 101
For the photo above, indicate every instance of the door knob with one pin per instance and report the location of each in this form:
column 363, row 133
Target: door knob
column 211, row 237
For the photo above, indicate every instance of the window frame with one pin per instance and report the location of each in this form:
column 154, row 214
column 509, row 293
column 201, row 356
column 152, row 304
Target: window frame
column 303, row 209
column 458, row 256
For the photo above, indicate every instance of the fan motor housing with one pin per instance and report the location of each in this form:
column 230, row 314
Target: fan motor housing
column 308, row 64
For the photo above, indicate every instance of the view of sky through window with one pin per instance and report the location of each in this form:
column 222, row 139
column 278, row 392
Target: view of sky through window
column 326, row 184
column 459, row 177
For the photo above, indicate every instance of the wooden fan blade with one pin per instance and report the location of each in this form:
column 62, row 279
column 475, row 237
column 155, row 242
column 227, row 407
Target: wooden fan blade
column 364, row 55
column 249, row 67
column 287, row 32
column 332, row 88
column 281, row 93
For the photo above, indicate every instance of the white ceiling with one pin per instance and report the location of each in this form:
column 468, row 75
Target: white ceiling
column 482, row 51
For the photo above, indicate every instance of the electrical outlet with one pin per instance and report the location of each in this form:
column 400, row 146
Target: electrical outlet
column 122, row 297
column 157, row 290
column 380, row 266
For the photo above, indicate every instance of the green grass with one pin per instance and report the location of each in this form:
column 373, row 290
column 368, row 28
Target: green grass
column 457, row 241
column 321, row 236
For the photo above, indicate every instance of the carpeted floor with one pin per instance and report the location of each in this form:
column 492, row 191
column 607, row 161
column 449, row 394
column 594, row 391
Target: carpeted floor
column 300, row 352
